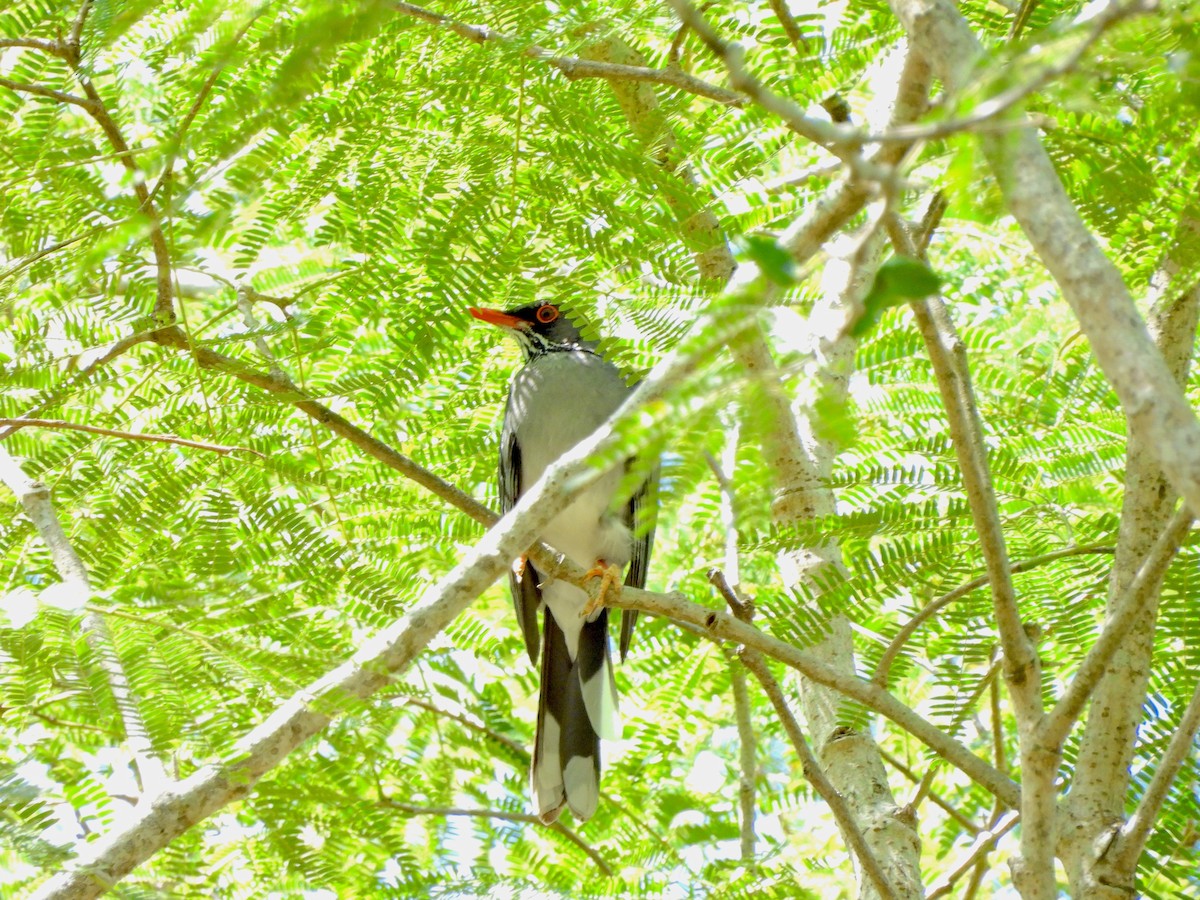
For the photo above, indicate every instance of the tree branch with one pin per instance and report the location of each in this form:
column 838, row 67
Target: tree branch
column 1131, row 841
column 1089, row 281
column 817, row 778
column 34, row 498
column 15, row 424
column 29, row 43
column 933, row 607
column 1142, row 591
column 49, row 93
column 446, row 811
column 576, row 67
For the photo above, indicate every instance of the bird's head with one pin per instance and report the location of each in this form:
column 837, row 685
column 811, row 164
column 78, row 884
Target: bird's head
column 538, row 327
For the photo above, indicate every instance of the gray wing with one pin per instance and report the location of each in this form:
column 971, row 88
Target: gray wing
column 641, row 515
column 523, row 584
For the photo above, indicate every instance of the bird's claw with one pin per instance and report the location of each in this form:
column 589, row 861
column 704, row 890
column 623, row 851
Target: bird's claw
column 610, row 577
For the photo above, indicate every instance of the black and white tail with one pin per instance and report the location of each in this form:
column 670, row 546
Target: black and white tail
column 576, row 707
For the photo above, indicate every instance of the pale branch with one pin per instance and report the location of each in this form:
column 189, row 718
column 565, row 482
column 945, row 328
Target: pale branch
column 38, row 90
column 1001, row 103
column 75, row 38
column 985, row 841
column 925, row 785
column 576, row 67
column 718, row 625
column 14, row 424
column 944, row 805
column 246, row 306
column 788, row 21
column 747, row 764
column 34, row 498
column 1100, row 786
column 1089, row 281
column 112, row 352
column 817, row 777
column 912, row 134
column 933, row 607
column 1123, row 613
column 843, row 199
column 413, row 809
column 160, row 819
column 1132, row 838
column 29, row 43
column 842, row 141
column 948, row 359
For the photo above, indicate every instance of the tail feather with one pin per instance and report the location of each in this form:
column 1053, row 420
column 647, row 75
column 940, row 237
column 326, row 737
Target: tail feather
column 577, row 704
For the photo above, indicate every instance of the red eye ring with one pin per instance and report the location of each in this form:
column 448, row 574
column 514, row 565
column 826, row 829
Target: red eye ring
column 547, row 314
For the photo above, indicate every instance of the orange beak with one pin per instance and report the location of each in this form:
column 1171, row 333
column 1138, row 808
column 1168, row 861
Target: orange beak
column 495, row 317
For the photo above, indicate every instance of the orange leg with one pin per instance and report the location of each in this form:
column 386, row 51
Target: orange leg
column 610, row 578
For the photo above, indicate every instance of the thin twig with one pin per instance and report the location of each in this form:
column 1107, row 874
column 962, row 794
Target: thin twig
column 49, row 93
column 842, row 141
column 923, row 788
column 447, row 811
column 14, row 424
column 933, row 607
column 576, row 67
column 34, row 498
column 948, row 808
column 817, row 777
column 1142, row 590
column 984, row 842
column 1136, row 831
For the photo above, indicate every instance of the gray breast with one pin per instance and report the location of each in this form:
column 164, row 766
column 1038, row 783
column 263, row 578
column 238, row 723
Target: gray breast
column 556, row 401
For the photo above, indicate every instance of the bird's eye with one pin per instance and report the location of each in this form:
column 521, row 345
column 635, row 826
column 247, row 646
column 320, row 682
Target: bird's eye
column 547, row 314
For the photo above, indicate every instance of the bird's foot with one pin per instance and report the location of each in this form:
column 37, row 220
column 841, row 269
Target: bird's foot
column 610, row 578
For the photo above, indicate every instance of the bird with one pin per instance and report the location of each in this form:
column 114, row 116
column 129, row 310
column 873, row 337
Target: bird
column 564, row 391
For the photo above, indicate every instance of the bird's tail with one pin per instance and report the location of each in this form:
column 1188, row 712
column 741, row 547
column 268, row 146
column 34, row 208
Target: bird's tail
column 577, row 704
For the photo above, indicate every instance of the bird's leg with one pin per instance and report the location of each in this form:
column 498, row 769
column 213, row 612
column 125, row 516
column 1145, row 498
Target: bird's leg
column 610, row 577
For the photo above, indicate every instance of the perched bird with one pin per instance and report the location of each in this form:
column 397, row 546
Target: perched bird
column 562, row 394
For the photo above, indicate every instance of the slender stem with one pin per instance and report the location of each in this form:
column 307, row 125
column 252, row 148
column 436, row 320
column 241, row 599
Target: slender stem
column 909, row 628
column 1136, row 832
column 14, row 424
column 34, row 498
column 817, row 777
column 1142, row 590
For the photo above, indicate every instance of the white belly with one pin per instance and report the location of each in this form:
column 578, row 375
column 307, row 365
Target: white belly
column 576, row 392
